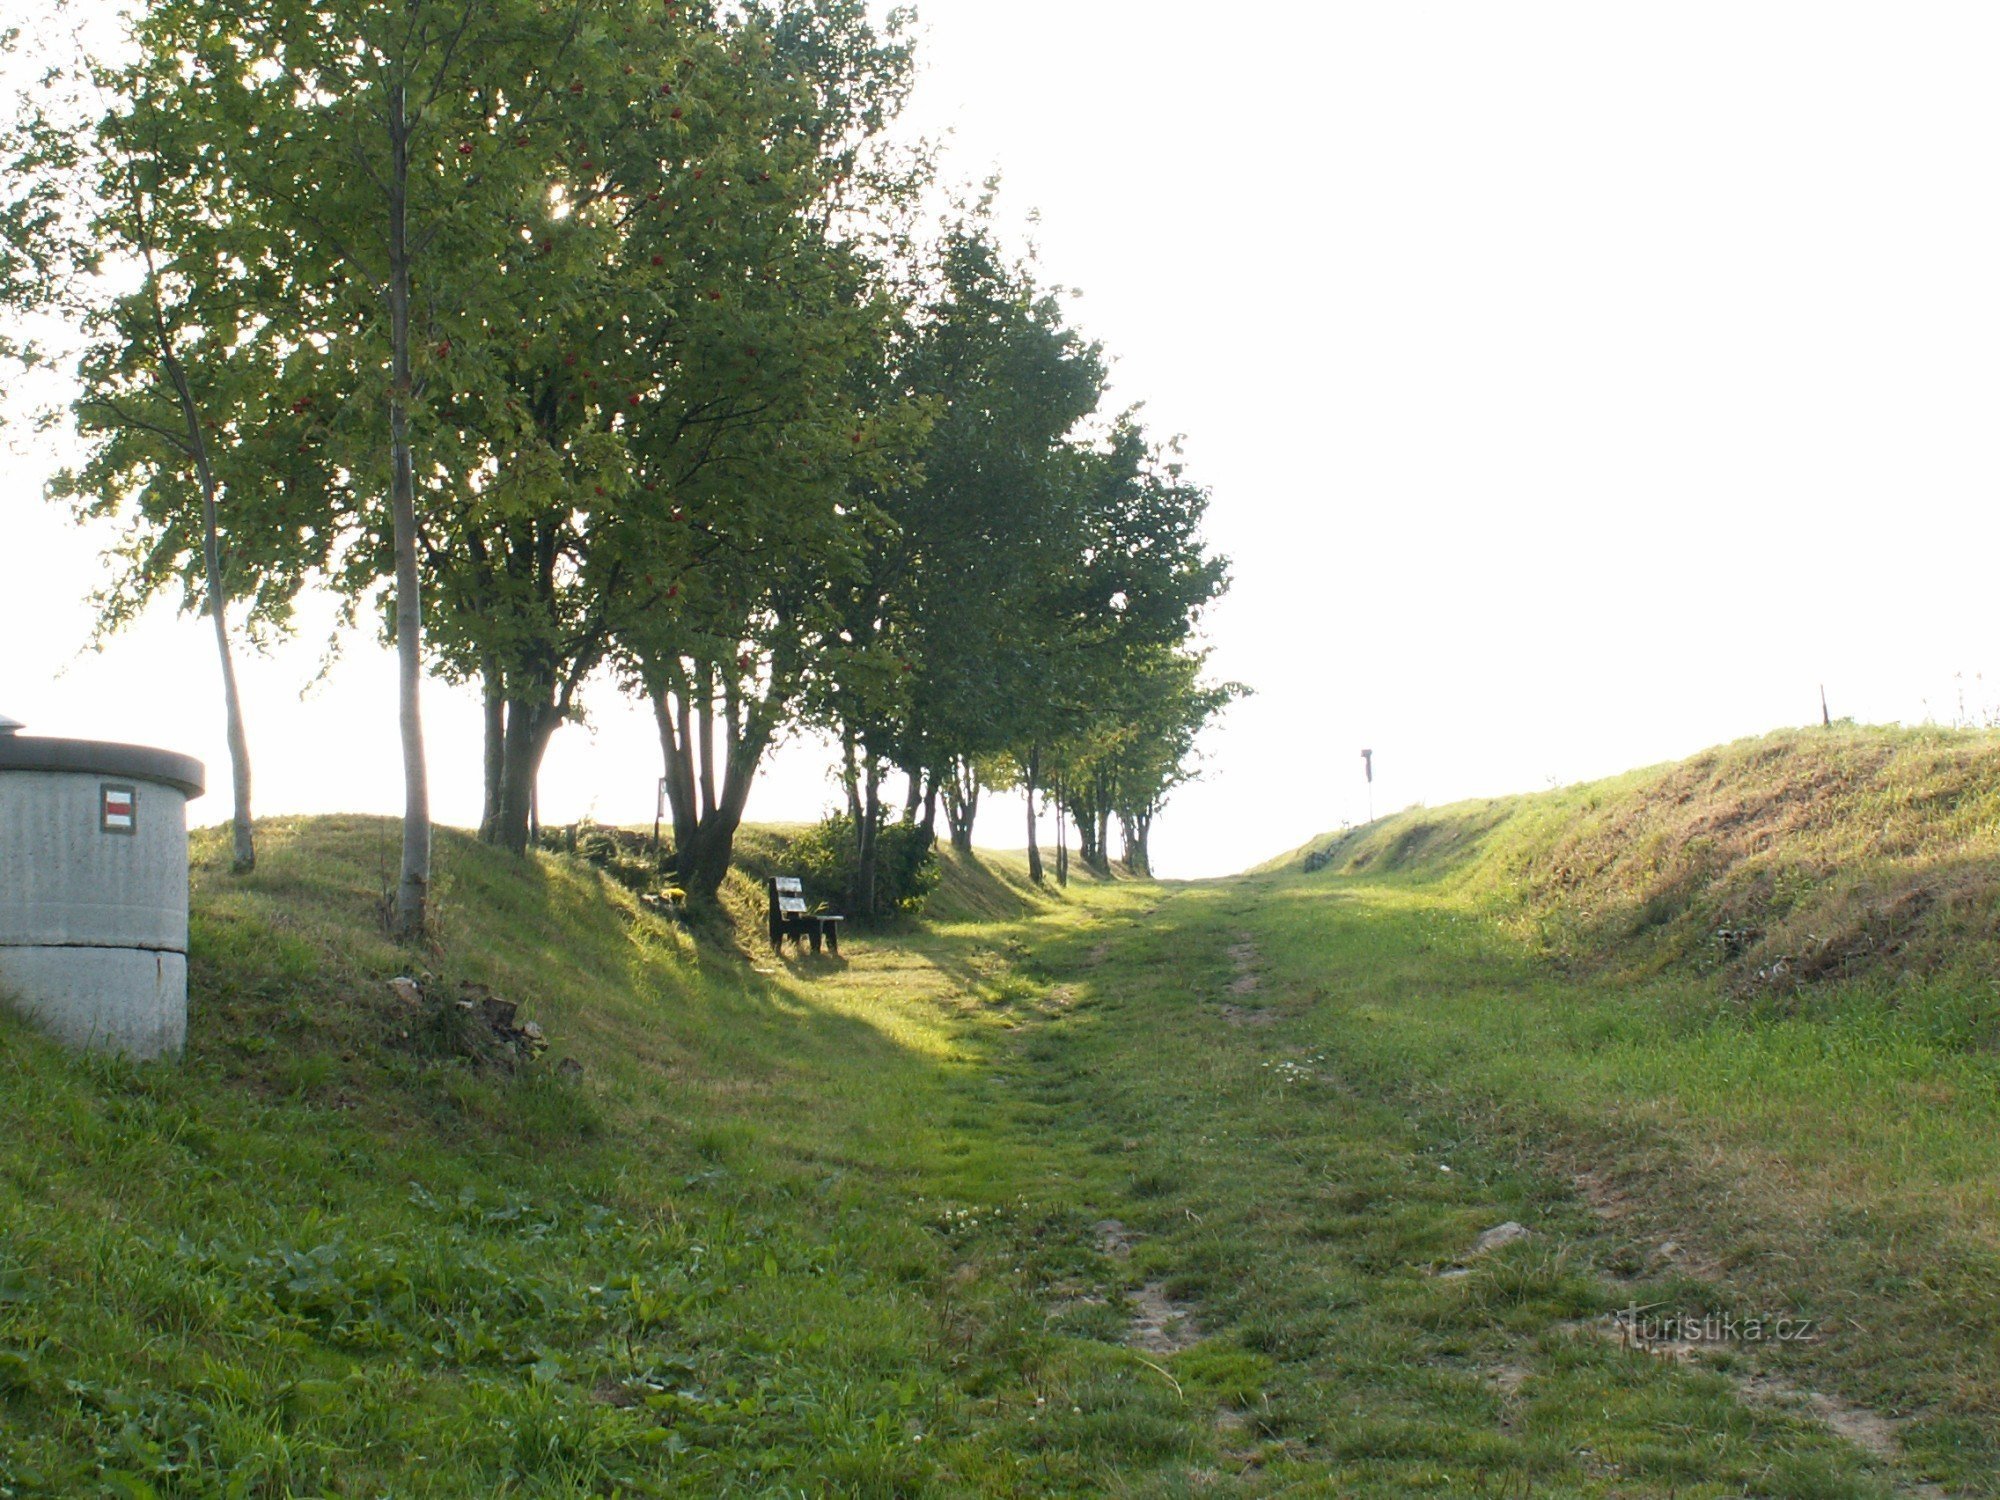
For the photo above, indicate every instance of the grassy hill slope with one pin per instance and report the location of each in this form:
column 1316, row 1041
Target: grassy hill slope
column 1743, row 1007
column 351, row 1246
column 1799, row 856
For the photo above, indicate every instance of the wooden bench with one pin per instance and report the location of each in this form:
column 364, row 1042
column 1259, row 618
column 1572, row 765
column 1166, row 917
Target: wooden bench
column 790, row 919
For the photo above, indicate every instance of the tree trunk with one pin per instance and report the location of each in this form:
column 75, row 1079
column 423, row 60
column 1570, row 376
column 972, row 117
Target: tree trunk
column 715, row 841
column 1062, row 838
column 1084, row 811
column 530, row 727
column 869, row 830
column 705, row 720
column 708, row 859
column 243, row 857
column 494, row 765
column 850, row 775
column 706, row 816
column 861, row 775
column 412, row 912
column 1031, row 771
column 930, row 811
column 961, row 802
column 670, row 713
column 1136, row 830
column 1104, row 792
column 244, row 846
column 243, row 837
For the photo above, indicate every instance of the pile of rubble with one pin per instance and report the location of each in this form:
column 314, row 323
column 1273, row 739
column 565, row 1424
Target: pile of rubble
column 475, row 1023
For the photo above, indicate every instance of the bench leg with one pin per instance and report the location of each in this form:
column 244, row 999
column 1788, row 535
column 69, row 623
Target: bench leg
column 815, row 939
column 833, row 937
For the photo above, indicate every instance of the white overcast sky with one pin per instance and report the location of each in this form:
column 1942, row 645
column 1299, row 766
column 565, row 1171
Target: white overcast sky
column 1579, row 385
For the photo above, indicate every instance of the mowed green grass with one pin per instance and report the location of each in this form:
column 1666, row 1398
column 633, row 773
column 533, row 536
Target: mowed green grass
column 1833, row 1153
column 324, row 1255
column 1312, row 1195
column 887, row 1225
column 314, row 1260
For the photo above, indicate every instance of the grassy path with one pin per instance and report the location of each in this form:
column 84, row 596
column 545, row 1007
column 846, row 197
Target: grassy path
column 1288, row 1296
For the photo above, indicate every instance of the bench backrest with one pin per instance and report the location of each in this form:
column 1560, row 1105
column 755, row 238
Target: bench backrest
column 791, row 895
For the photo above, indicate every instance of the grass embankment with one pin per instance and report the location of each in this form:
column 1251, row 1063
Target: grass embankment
column 1143, row 1190
column 1802, row 856
column 1746, row 1004
column 328, row 1254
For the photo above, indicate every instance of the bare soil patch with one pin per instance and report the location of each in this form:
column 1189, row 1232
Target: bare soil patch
column 1248, row 1015
column 1243, row 956
column 1873, row 1433
column 1113, row 1238
column 1244, row 984
column 1615, row 1205
column 1159, row 1324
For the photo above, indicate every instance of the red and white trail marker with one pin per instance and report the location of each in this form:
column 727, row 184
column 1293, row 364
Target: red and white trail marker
column 120, row 813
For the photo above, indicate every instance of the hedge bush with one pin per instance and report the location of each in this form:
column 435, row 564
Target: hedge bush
column 906, row 867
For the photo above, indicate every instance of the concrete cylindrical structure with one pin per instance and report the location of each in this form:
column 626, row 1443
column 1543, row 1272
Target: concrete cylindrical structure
column 94, row 889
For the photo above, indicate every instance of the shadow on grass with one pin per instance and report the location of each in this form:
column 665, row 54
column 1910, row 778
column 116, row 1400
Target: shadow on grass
column 289, row 971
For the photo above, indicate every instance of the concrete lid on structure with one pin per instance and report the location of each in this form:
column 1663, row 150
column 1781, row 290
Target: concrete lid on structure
column 10, row 726
column 19, row 752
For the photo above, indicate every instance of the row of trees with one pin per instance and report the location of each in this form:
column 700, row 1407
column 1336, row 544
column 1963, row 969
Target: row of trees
column 593, row 341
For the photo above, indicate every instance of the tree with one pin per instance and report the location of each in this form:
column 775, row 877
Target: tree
column 1020, row 566
column 1144, row 749
column 663, row 314
column 176, row 372
column 729, row 668
column 588, row 334
column 373, row 160
column 782, row 430
column 940, row 623
column 1127, row 575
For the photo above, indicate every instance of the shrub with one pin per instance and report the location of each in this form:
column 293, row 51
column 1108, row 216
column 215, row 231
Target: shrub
column 906, row 866
column 625, row 855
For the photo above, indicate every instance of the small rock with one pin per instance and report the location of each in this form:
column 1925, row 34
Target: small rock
column 407, row 990
column 1500, row 1234
column 571, row 1069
